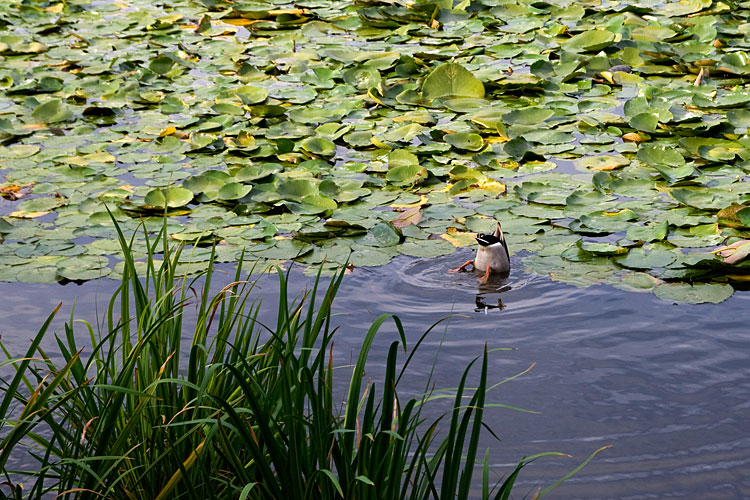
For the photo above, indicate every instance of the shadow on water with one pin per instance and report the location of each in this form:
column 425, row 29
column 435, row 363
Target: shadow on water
column 668, row 386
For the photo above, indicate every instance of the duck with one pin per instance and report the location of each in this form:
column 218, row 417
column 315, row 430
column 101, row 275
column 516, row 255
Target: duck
column 492, row 255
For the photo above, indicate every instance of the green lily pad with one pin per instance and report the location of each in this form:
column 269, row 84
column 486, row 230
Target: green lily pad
column 465, row 140
column 319, row 146
column 404, row 175
column 527, row 116
column 362, row 77
column 638, row 258
column 451, row 80
column 646, row 122
column 250, row 95
column 660, row 155
column 401, row 158
column 234, row 191
column 651, row 231
column 697, row 293
column 171, row 197
column 52, row 111
column 427, row 248
column 601, row 248
column 161, row 65
column 589, row 41
column 603, row 162
column 384, row 234
column 40, row 204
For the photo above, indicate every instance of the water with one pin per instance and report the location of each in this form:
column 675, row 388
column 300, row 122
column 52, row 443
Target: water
column 667, row 386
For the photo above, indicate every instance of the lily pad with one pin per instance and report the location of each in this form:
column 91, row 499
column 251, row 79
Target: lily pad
column 451, row 80
column 427, row 248
column 251, row 95
column 697, row 293
column 234, row 191
column 406, row 175
column 660, row 155
column 589, row 41
column 171, row 197
column 319, row 146
column 465, row 140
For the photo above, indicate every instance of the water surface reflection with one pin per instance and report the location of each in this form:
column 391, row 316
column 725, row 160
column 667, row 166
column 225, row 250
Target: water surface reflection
column 667, row 385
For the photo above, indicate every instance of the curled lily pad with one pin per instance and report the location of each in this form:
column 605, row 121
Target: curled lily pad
column 451, row 80
column 234, row 191
column 296, row 189
column 251, row 95
column 469, row 141
column 171, row 197
column 406, row 175
column 161, row 65
column 52, row 111
column 384, row 234
column 588, row 41
column 362, row 77
column 735, row 252
column 319, row 146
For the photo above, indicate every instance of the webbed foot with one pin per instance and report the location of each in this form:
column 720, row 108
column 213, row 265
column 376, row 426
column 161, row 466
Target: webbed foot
column 484, row 279
column 463, row 267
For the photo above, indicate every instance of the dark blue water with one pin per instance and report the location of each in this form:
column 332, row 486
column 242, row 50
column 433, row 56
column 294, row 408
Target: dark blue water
column 667, row 386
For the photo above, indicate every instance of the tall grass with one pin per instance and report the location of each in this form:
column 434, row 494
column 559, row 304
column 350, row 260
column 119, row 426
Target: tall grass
column 241, row 410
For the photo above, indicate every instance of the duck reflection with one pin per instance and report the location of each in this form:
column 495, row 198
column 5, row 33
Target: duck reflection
column 489, row 293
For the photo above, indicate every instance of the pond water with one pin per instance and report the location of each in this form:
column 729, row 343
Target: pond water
column 667, row 386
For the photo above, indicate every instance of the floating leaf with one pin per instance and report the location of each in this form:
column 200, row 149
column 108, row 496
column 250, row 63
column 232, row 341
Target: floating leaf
column 409, row 216
column 296, row 189
column 646, row 122
column 427, row 248
column 362, row 77
column 589, row 41
column 660, row 155
column 234, row 191
column 465, row 140
column 385, row 234
column 171, row 197
column 651, row 231
column 406, row 175
column 161, row 65
column 603, row 162
column 52, row 111
column 451, row 80
column 638, row 258
column 251, row 95
column 319, row 146
column 735, row 252
column 527, row 116
column 401, row 157
column 697, row 293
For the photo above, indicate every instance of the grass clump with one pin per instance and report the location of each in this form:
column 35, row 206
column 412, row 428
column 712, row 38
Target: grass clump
column 231, row 409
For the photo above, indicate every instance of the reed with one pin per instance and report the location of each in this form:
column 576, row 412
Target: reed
column 229, row 408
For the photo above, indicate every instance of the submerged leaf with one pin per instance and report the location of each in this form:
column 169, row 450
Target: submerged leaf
column 697, row 293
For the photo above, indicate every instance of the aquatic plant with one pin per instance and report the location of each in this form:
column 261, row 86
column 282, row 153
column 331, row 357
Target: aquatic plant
column 610, row 139
column 229, row 407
